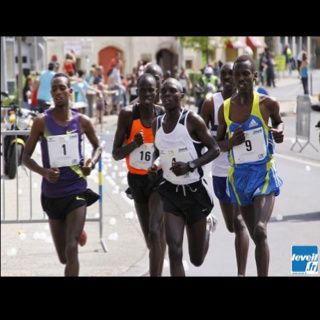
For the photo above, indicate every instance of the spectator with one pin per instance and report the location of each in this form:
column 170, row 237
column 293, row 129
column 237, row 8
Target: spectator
column 44, row 92
column 27, row 93
column 304, row 73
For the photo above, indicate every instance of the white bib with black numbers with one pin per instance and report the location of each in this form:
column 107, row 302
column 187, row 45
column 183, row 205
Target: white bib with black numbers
column 253, row 149
column 141, row 158
column 63, row 150
column 168, row 157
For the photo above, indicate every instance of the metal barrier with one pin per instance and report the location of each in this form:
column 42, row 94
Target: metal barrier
column 303, row 122
column 33, row 216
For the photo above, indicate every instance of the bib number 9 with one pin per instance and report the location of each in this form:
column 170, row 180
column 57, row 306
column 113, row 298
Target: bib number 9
column 248, row 145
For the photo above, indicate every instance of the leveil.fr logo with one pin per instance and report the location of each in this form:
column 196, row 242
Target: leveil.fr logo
column 304, row 260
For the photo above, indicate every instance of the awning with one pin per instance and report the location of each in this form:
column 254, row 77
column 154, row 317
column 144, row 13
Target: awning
column 254, row 42
column 235, row 44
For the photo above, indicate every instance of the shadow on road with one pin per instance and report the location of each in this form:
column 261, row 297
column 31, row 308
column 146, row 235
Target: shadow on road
column 310, row 216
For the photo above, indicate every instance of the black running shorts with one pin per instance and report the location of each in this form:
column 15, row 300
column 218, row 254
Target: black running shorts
column 191, row 201
column 141, row 186
column 58, row 208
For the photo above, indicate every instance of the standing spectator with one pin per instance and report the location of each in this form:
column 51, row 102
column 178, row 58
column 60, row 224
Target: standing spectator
column 99, row 77
column 69, row 64
column 270, row 70
column 27, row 93
column 114, row 83
column 140, row 68
column 185, row 83
column 80, row 87
column 299, row 57
column 54, row 59
column 100, row 103
column 91, row 94
column 132, row 85
column 288, row 54
column 263, row 67
column 304, row 73
column 44, row 92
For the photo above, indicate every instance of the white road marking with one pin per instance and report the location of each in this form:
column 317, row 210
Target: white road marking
column 306, row 162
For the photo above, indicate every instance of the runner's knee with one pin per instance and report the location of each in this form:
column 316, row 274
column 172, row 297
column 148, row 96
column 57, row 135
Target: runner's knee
column 175, row 251
column 239, row 224
column 71, row 250
column 260, row 232
column 154, row 236
column 230, row 226
column 197, row 260
column 62, row 258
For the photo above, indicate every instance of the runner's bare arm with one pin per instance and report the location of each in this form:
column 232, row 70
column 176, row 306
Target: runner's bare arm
column 51, row 174
column 224, row 142
column 89, row 131
column 198, row 131
column 155, row 155
column 119, row 150
column 207, row 110
column 277, row 123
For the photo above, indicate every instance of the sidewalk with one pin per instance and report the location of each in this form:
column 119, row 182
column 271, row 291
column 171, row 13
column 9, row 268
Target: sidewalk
column 28, row 250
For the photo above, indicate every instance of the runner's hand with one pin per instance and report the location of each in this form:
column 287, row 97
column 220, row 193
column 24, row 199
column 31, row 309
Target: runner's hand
column 138, row 139
column 52, row 174
column 238, row 137
column 153, row 170
column 277, row 135
column 180, row 168
column 87, row 168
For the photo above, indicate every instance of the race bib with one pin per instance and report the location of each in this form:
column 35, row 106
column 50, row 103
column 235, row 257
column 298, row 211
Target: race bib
column 168, row 157
column 63, row 150
column 253, row 149
column 141, row 158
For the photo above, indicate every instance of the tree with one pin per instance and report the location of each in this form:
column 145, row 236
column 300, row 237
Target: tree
column 201, row 44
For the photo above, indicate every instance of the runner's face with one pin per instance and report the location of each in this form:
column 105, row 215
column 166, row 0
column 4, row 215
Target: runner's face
column 171, row 94
column 147, row 91
column 157, row 73
column 243, row 76
column 226, row 77
column 60, row 91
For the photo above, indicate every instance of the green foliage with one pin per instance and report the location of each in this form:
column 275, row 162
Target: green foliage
column 9, row 100
column 201, row 44
column 197, row 43
column 194, row 79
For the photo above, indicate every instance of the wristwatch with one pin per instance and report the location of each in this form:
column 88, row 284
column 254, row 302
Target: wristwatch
column 191, row 166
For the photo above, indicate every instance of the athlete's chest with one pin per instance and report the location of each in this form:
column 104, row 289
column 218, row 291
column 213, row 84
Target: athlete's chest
column 239, row 114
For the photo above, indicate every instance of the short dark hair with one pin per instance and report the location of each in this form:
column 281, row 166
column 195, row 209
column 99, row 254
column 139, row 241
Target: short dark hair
column 245, row 58
column 51, row 66
column 61, row 74
column 146, row 76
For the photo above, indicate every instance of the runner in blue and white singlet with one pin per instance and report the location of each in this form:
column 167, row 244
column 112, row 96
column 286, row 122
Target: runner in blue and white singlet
column 253, row 181
column 230, row 211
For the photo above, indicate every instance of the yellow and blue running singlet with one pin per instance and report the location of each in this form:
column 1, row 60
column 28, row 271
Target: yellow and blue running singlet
column 252, row 170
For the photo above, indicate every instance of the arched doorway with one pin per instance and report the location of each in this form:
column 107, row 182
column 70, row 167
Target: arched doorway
column 106, row 58
column 167, row 60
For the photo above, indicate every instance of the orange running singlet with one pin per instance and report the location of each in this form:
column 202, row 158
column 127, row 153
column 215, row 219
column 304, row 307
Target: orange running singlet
column 140, row 159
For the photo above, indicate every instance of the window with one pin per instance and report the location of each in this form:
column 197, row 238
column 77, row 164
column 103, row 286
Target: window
column 189, row 64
